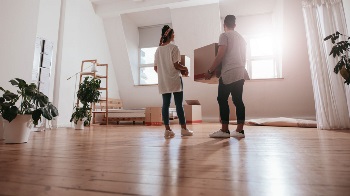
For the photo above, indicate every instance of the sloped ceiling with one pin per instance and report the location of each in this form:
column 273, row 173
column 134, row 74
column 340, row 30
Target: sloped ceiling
column 153, row 12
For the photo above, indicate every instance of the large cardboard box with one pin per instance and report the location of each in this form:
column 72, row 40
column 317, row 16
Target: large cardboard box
column 186, row 61
column 193, row 111
column 203, row 58
column 153, row 116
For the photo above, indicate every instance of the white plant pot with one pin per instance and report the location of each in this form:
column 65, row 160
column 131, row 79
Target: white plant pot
column 18, row 130
column 79, row 125
column 2, row 129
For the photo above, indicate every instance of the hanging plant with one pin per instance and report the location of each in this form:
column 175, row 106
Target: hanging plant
column 341, row 50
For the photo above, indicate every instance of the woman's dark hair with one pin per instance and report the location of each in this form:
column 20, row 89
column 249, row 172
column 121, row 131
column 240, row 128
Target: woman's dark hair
column 230, row 21
column 165, row 37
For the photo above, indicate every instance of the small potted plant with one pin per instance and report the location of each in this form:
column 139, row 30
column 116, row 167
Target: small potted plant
column 87, row 94
column 33, row 105
column 341, row 50
column 81, row 117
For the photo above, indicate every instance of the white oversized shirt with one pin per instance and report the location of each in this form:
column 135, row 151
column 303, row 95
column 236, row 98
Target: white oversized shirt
column 169, row 78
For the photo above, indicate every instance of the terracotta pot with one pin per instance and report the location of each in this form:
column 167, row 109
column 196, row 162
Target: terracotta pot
column 345, row 73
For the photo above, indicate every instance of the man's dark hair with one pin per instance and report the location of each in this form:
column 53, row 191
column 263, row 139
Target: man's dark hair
column 230, row 21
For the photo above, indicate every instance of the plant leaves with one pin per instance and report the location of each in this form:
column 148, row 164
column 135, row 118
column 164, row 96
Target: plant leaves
column 14, row 82
column 10, row 113
column 46, row 113
column 53, row 110
column 36, row 116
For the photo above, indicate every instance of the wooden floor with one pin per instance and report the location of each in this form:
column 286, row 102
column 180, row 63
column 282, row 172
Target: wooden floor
column 137, row 160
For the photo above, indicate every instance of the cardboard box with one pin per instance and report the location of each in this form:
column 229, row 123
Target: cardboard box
column 153, row 116
column 203, row 58
column 186, row 61
column 193, row 111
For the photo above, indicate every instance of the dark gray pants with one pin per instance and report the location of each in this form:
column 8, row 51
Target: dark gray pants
column 236, row 90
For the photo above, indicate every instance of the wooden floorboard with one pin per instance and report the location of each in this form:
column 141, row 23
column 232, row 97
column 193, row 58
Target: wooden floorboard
column 136, row 160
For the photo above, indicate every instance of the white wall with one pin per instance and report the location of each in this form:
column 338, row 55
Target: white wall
column 131, row 33
column 149, row 36
column 198, row 26
column 131, row 95
column 18, row 21
column 83, row 38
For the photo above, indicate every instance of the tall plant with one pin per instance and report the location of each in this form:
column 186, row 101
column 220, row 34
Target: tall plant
column 88, row 93
column 341, row 50
column 32, row 102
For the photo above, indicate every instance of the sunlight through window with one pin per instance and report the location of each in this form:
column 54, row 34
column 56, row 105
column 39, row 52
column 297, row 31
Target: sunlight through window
column 146, row 67
column 262, row 58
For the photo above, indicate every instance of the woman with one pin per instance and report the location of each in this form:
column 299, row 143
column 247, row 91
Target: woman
column 167, row 65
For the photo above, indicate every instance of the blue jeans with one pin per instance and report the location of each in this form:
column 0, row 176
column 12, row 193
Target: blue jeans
column 178, row 97
column 236, row 91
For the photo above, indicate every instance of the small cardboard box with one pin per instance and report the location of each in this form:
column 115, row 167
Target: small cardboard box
column 193, row 111
column 153, row 116
column 203, row 58
column 186, row 61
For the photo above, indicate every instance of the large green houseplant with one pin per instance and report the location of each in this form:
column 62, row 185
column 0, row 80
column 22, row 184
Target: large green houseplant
column 32, row 102
column 28, row 102
column 341, row 51
column 87, row 94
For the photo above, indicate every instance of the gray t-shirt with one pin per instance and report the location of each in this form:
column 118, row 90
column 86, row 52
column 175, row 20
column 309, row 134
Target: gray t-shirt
column 233, row 63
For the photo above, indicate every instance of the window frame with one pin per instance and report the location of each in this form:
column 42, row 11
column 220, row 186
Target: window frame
column 140, row 66
column 274, row 57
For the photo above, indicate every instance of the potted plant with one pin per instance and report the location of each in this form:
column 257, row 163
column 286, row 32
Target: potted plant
column 33, row 105
column 81, row 117
column 8, row 100
column 87, row 94
column 341, row 50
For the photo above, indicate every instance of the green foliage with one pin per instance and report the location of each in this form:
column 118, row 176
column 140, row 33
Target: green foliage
column 81, row 113
column 341, row 50
column 88, row 93
column 88, row 90
column 32, row 101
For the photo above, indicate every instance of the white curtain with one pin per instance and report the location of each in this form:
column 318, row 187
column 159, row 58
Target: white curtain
column 322, row 18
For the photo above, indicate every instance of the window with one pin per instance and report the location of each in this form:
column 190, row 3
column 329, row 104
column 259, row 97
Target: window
column 146, row 68
column 262, row 61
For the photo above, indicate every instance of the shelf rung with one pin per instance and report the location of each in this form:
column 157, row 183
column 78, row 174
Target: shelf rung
column 87, row 73
column 85, row 61
column 102, row 100
column 102, row 89
column 100, row 112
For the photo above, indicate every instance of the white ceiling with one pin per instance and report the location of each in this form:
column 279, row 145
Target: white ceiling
column 154, row 12
column 246, row 7
column 151, row 17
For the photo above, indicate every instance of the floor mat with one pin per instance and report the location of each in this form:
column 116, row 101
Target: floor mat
column 280, row 122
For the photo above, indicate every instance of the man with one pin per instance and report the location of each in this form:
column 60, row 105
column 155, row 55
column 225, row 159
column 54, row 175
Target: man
column 232, row 56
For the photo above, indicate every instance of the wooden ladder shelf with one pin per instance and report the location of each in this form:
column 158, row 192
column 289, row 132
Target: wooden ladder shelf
column 105, row 89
